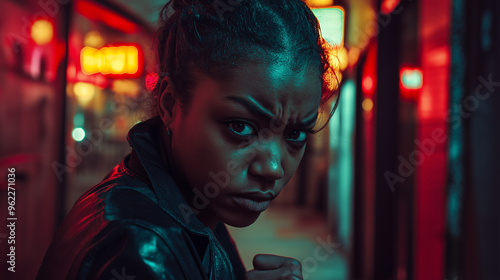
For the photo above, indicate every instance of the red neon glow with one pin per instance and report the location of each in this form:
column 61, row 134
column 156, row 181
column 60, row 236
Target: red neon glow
column 99, row 13
column 71, row 73
column 439, row 56
column 151, row 81
column 388, row 6
column 369, row 72
column 368, row 84
column 431, row 176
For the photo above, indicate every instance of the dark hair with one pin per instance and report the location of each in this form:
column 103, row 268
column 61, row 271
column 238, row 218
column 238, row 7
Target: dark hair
column 217, row 36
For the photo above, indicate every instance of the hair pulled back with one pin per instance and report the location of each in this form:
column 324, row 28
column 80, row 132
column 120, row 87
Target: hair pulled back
column 216, row 36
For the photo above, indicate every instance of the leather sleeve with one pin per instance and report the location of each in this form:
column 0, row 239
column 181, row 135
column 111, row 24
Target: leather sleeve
column 135, row 252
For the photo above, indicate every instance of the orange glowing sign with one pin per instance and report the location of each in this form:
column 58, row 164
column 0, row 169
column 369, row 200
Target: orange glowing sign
column 117, row 60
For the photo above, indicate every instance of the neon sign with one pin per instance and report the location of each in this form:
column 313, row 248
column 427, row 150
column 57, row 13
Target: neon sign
column 116, row 60
column 331, row 20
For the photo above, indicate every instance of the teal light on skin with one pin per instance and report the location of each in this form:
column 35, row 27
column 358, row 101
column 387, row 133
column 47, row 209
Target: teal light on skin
column 411, row 78
column 225, row 122
column 331, row 21
column 78, row 134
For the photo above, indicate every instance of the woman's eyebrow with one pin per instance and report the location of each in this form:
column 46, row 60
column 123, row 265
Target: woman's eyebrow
column 308, row 122
column 262, row 112
column 253, row 107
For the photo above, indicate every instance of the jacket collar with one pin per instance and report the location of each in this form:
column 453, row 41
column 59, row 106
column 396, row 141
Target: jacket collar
column 144, row 139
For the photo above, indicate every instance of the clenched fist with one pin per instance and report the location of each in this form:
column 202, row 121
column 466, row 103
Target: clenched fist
column 272, row 267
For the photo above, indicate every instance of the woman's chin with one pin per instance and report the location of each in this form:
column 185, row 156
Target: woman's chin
column 241, row 220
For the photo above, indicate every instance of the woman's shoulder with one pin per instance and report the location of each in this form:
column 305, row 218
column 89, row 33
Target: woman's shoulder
column 138, row 234
column 137, row 248
column 129, row 248
column 119, row 220
column 121, row 198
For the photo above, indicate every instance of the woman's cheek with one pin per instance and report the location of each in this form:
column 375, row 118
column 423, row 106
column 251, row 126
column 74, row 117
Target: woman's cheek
column 291, row 164
column 249, row 155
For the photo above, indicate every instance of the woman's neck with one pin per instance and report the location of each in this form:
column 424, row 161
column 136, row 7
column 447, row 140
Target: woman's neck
column 166, row 154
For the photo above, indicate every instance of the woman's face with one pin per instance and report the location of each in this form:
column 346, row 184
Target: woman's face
column 242, row 139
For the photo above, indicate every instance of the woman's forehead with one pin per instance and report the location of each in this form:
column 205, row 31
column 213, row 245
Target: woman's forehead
column 277, row 82
column 286, row 93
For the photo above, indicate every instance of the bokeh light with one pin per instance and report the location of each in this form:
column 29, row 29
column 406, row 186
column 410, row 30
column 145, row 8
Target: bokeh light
column 367, row 104
column 42, row 32
column 78, row 134
column 84, row 92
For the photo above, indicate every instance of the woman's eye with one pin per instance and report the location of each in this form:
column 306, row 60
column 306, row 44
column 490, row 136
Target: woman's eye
column 241, row 128
column 297, row 136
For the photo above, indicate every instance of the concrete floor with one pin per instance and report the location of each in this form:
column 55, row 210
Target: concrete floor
column 293, row 232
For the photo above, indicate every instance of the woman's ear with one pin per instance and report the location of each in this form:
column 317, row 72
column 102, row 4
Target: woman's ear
column 167, row 101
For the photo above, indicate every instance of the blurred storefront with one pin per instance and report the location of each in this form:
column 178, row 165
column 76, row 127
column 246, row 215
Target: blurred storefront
column 412, row 192
column 109, row 59
column 31, row 105
column 73, row 79
column 425, row 187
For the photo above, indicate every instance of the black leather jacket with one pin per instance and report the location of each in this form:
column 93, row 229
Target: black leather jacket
column 130, row 226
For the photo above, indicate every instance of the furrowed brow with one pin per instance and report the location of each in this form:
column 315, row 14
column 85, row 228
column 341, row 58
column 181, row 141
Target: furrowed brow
column 262, row 112
column 307, row 122
column 252, row 107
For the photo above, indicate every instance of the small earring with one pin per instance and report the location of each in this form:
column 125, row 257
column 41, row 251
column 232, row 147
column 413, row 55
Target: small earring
column 169, row 132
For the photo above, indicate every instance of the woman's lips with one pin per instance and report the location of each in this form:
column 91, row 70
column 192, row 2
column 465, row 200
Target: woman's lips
column 250, row 204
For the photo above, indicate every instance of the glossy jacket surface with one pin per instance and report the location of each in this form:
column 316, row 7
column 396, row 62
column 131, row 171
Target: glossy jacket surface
column 134, row 225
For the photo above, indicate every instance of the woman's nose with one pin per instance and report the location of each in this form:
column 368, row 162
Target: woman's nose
column 267, row 164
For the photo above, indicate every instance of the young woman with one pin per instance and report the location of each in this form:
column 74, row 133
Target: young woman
column 241, row 86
